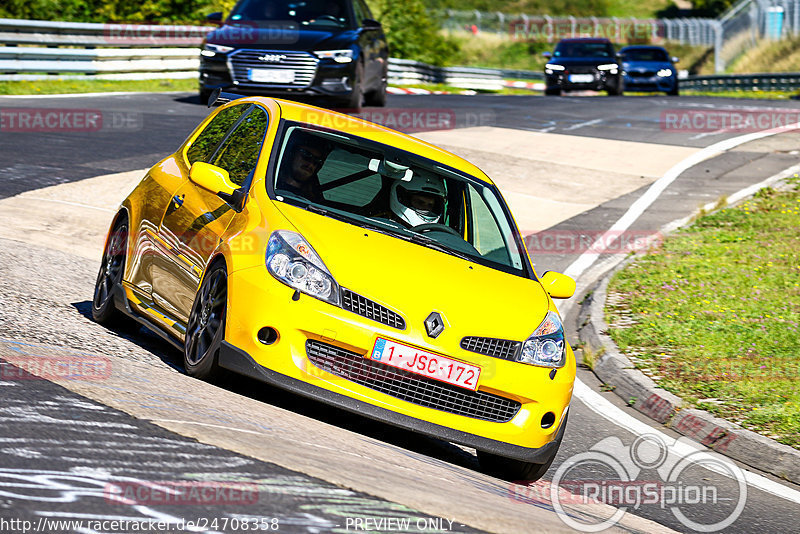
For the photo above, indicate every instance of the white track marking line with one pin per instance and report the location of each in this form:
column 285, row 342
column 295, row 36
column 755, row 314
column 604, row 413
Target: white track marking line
column 593, row 400
column 604, row 408
column 208, row 425
column 77, row 204
column 636, row 209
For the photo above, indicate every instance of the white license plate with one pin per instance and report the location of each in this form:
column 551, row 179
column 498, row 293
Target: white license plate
column 425, row 363
column 271, row 75
column 581, row 78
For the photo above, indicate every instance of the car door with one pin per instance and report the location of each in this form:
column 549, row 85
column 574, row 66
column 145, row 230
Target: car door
column 194, row 224
column 373, row 47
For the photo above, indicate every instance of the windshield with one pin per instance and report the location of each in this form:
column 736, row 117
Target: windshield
column 646, row 54
column 394, row 192
column 314, row 13
column 583, row 49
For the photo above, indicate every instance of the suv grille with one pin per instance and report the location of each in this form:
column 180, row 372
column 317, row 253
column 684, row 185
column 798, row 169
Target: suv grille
column 410, row 387
column 371, row 310
column 497, row 348
column 303, row 64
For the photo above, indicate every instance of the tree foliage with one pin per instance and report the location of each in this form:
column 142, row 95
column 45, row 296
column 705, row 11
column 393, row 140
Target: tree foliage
column 412, row 33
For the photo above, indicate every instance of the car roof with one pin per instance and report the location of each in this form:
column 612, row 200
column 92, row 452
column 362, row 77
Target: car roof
column 644, row 47
column 326, row 118
column 584, row 40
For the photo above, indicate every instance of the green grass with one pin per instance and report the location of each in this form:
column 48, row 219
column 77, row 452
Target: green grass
column 769, row 56
column 51, row 87
column 715, row 313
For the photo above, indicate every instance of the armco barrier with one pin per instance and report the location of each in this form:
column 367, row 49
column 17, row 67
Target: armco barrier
column 36, row 50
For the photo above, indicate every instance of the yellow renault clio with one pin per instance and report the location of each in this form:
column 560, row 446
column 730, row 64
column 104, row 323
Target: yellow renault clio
column 352, row 264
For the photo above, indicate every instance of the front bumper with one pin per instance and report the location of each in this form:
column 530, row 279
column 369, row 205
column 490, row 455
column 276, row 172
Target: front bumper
column 653, row 83
column 330, row 79
column 257, row 301
column 600, row 81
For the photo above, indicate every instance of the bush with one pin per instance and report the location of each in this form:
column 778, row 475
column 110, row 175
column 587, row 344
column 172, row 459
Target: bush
column 413, row 34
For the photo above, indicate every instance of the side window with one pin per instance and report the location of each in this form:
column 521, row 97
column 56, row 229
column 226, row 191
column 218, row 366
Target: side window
column 206, row 143
column 341, row 163
column 239, row 153
column 486, row 234
column 362, row 12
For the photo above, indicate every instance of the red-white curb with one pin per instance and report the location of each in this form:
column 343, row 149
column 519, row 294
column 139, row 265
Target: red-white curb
column 533, row 86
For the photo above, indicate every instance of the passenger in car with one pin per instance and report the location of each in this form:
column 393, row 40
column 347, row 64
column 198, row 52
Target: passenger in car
column 298, row 173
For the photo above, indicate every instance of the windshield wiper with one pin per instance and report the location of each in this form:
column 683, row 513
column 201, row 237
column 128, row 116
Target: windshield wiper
column 435, row 245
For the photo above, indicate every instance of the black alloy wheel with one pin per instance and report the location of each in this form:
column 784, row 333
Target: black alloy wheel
column 206, row 327
column 112, row 268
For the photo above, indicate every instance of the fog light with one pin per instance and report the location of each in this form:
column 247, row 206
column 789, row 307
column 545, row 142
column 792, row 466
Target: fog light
column 267, row 335
column 548, row 419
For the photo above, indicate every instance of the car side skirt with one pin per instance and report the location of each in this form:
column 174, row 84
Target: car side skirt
column 237, row 360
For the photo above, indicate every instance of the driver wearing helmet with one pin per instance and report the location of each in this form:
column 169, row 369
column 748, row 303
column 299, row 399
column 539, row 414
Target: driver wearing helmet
column 418, row 201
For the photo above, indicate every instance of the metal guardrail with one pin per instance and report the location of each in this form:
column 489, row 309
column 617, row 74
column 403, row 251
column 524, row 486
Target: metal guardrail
column 127, row 51
column 789, row 81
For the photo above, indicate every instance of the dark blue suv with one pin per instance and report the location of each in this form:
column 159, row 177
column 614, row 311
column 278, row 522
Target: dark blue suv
column 649, row 68
column 298, row 48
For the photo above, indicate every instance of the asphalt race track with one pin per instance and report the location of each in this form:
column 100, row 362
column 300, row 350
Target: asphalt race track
column 567, row 165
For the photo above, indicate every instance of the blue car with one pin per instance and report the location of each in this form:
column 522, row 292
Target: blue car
column 649, row 68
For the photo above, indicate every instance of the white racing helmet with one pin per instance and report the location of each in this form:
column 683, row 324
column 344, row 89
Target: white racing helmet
column 418, row 201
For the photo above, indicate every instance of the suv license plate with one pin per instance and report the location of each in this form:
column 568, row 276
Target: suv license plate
column 425, row 363
column 581, row 78
column 271, row 75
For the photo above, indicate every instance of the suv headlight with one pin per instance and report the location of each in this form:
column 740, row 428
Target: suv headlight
column 339, row 56
column 210, row 50
column 546, row 347
column 611, row 68
column 292, row 261
column 664, row 73
column 553, row 66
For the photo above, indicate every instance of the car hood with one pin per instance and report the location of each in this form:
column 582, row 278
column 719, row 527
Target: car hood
column 582, row 61
column 273, row 39
column 414, row 280
column 646, row 65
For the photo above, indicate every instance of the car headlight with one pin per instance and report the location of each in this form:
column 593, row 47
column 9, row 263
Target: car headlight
column 546, row 347
column 608, row 66
column 553, row 66
column 664, row 73
column 339, row 56
column 292, row 261
column 210, row 50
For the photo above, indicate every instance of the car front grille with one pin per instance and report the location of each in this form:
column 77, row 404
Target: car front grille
column 641, row 74
column 582, row 70
column 371, row 310
column 497, row 348
column 303, row 64
column 410, row 387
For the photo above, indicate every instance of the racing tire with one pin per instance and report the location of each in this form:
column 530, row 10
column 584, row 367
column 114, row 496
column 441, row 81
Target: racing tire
column 355, row 102
column 615, row 91
column 674, row 92
column 206, row 327
column 377, row 97
column 205, row 94
column 549, row 91
column 112, row 269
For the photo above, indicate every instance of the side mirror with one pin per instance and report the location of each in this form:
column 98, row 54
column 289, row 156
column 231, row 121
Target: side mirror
column 559, row 286
column 214, row 18
column 548, row 55
column 675, row 59
column 218, row 181
column 370, row 24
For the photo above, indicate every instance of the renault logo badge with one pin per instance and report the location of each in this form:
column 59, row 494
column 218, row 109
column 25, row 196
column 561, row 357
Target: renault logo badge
column 434, row 324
